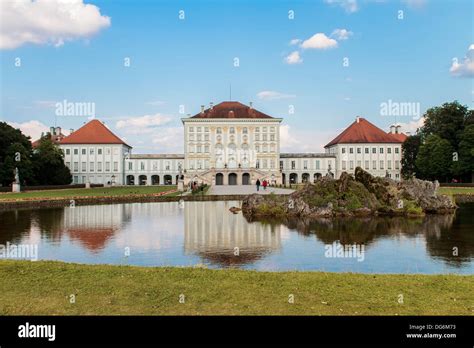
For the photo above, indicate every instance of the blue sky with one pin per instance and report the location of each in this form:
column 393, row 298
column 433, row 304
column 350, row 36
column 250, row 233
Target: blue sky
column 190, row 62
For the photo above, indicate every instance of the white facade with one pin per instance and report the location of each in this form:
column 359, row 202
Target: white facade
column 377, row 159
column 215, row 147
column 306, row 167
column 96, row 163
column 153, row 169
column 231, row 151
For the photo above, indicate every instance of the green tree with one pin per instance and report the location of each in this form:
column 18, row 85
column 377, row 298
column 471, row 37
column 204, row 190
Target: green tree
column 446, row 121
column 465, row 163
column 48, row 164
column 435, row 158
column 410, row 150
column 15, row 152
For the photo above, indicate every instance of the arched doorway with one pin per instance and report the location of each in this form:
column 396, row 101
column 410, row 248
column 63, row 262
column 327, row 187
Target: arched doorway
column 130, row 180
column 283, row 179
column 142, row 180
column 317, row 176
column 305, row 177
column 246, row 179
column 155, row 179
column 293, row 178
column 168, row 180
column 219, row 179
column 232, row 179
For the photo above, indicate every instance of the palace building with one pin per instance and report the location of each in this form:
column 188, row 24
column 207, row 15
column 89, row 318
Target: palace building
column 229, row 144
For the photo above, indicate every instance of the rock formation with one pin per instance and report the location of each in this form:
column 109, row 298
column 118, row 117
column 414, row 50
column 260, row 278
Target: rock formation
column 360, row 194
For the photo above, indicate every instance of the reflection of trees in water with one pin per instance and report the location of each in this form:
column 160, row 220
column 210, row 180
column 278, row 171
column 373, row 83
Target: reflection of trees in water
column 17, row 224
column 441, row 232
column 91, row 226
column 443, row 236
column 14, row 224
column 50, row 222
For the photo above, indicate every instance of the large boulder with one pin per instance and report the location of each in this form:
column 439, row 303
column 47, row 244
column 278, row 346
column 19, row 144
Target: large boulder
column 425, row 193
column 358, row 195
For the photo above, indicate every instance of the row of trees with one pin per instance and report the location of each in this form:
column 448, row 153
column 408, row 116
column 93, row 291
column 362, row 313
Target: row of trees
column 43, row 165
column 443, row 148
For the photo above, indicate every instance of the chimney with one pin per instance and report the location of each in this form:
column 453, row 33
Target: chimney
column 71, row 131
column 202, row 109
column 211, row 105
column 358, row 119
column 251, row 105
column 58, row 130
column 392, row 129
column 397, row 128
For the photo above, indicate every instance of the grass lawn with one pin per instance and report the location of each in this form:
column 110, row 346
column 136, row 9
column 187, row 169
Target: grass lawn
column 83, row 192
column 456, row 190
column 36, row 288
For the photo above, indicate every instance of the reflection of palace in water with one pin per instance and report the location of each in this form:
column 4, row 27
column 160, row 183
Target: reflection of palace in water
column 215, row 233
column 93, row 226
column 210, row 231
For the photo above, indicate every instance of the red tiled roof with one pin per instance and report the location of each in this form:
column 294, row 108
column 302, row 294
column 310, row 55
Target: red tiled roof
column 362, row 131
column 401, row 137
column 94, row 132
column 231, row 109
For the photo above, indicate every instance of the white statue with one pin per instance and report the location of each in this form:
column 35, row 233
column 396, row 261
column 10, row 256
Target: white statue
column 17, row 176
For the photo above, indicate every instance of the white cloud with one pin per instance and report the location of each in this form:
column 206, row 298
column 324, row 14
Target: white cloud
column 48, row 22
column 294, row 58
column 286, row 140
column 166, row 142
column 342, row 34
column 295, row 42
column 304, row 140
column 273, row 95
column 319, row 41
column 32, row 128
column 465, row 68
column 350, row 6
column 411, row 126
column 142, row 124
column 415, row 3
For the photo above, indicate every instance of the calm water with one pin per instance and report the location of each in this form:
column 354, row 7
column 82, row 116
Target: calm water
column 157, row 234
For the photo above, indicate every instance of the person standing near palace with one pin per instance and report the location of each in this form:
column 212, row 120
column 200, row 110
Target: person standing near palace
column 258, row 184
column 265, row 183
